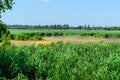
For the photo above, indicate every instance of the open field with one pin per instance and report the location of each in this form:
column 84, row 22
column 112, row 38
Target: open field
column 65, row 31
column 60, row 32
column 48, row 36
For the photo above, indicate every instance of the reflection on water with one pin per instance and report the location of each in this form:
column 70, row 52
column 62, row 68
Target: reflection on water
column 84, row 38
column 113, row 39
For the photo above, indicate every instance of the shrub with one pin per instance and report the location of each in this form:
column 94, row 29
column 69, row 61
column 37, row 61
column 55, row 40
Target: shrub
column 4, row 33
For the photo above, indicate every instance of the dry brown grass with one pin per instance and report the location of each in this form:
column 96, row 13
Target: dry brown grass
column 49, row 40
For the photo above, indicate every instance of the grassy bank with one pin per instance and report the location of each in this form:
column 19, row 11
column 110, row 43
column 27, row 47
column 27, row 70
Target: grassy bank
column 70, row 61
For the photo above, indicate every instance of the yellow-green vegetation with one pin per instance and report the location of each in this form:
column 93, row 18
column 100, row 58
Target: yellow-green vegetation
column 27, row 33
column 61, row 61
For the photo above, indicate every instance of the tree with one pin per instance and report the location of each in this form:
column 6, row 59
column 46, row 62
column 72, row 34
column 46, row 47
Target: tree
column 4, row 32
column 4, row 5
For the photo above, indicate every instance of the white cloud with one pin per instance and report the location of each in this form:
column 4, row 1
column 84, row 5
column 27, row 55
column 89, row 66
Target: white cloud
column 45, row 0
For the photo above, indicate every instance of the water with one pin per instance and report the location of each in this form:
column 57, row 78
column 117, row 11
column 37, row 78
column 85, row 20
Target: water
column 74, row 37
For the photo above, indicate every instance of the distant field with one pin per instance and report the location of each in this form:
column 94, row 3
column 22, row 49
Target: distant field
column 59, row 32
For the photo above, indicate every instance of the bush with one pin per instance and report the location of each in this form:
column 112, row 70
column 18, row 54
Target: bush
column 4, row 33
column 26, row 36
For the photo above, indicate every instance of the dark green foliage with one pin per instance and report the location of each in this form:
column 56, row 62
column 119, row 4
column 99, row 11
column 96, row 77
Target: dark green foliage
column 70, row 61
column 4, row 33
column 6, row 67
column 2, row 28
column 5, row 5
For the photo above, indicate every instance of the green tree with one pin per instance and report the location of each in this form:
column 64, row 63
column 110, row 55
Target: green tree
column 4, row 32
column 4, row 5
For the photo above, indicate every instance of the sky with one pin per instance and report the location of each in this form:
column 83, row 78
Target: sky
column 72, row 12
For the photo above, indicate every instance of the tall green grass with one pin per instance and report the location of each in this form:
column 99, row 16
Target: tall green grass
column 59, row 61
column 26, row 36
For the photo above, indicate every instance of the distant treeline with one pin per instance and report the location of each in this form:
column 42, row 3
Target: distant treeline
column 65, row 26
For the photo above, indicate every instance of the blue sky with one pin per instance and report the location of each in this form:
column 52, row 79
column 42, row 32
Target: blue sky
column 73, row 12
